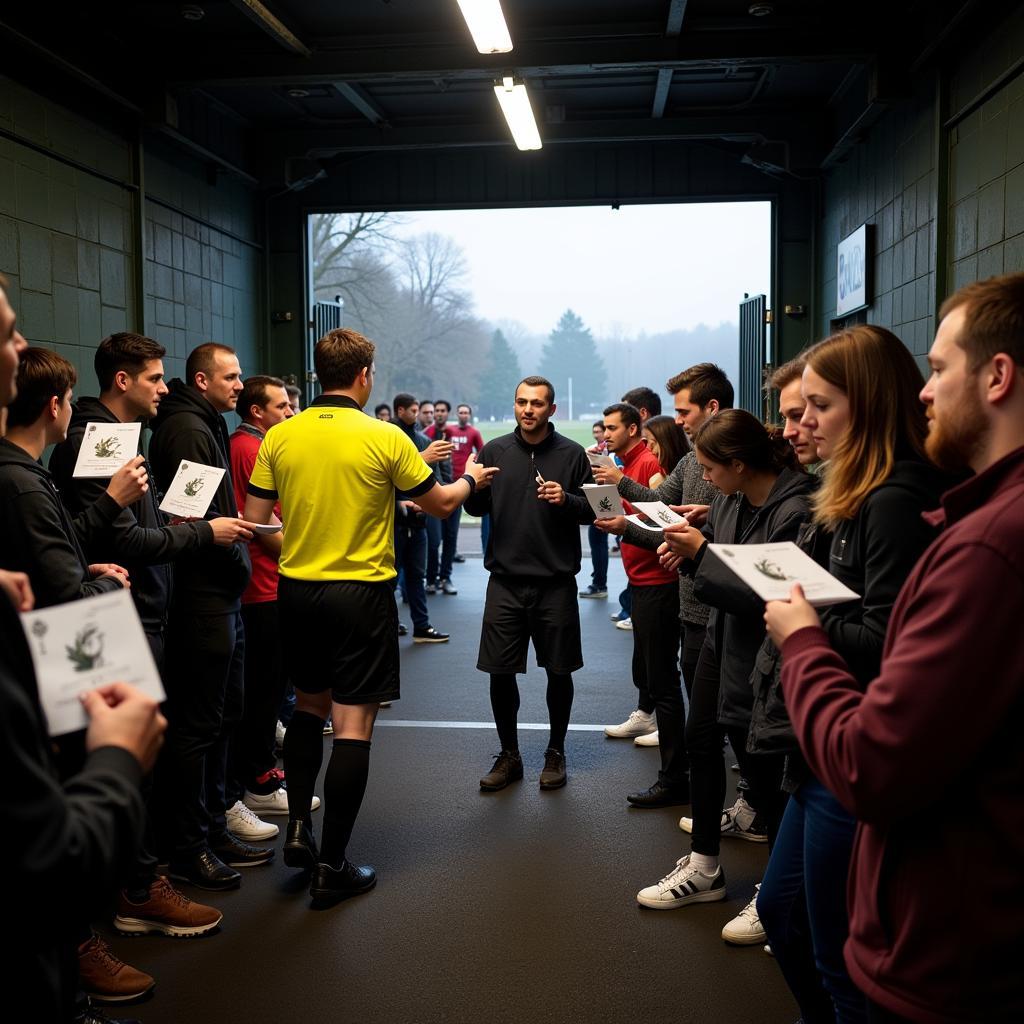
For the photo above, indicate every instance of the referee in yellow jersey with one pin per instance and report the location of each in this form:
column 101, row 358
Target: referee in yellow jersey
column 335, row 471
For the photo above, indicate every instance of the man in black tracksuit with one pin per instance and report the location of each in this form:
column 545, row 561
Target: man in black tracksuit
column 205, row 638
column 533, row 555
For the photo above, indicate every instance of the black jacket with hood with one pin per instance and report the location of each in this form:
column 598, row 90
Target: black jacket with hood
column 139, row 538
column 736, row 624
column 39, row 537
column 872, row 554
column 531, row 538
column 188, row 427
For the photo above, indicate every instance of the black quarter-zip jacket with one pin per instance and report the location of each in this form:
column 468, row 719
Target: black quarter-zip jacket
column 531, row 538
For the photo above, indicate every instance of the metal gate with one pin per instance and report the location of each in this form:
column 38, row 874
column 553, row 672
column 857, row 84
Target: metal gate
column 753, row 354
column 327, row 316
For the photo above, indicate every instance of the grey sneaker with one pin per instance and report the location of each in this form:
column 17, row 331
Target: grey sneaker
column 508, row 767
column 553, row 776
column 445, row 586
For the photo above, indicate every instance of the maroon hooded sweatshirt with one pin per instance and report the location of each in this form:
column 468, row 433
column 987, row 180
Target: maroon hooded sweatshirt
column 930, row 760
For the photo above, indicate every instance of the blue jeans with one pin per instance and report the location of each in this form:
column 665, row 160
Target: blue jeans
column 411, row 555
column 443, row 534
column 802, row 905
column 599, row 556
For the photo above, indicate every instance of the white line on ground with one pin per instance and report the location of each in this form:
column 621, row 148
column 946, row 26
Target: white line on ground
column 412, row 724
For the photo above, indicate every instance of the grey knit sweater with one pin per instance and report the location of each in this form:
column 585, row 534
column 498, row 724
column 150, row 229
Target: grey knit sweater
column 683, row 486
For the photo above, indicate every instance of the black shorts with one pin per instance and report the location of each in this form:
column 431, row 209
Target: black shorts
column 341, row 636
column 518, row 611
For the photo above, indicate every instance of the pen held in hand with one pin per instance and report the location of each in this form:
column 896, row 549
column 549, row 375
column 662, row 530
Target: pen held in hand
column 541, row 480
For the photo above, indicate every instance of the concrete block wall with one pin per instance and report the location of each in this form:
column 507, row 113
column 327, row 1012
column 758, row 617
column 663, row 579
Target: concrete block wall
column 67, row 242
column 986, row 167
column 889, row 181
column 203, row 266
column 65, row 233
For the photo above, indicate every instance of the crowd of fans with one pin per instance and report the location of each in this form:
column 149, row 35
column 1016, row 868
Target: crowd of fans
column 874, row 739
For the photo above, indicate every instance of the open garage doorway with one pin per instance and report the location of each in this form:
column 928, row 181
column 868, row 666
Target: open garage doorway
column 464, row 303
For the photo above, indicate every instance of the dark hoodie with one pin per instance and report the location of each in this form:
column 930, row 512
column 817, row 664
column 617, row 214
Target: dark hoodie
column 40, row 538
column 188, row 427
column 736, row 622
column 139, row 538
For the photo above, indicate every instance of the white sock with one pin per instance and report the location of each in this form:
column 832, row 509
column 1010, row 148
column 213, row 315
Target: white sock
column 704, row 863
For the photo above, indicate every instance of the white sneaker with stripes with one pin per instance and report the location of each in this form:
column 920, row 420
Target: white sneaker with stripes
column 683, row 884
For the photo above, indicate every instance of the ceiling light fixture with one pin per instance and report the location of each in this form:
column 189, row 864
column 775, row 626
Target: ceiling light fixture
column 761, row 10
column 486, row 25
column 515, row 105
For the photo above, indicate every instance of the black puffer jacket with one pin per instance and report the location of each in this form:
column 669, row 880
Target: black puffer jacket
column 872, row 554
column 736, row 623
column 188, row 427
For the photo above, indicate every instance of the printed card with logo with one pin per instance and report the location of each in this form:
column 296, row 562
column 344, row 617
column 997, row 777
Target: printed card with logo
column 191, row 490
column 654, row 515
column 604, row 500
column 106, row 447
column 84, row 644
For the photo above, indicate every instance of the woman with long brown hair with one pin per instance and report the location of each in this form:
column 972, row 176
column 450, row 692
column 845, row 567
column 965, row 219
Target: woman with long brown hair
column 861, row 386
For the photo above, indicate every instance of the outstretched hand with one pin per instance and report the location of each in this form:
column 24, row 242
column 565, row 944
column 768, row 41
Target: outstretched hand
column 482, row 475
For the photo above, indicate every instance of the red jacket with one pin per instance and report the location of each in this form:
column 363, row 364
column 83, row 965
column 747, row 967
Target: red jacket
column 929, row 759
column 642, row 566
column 245, row 443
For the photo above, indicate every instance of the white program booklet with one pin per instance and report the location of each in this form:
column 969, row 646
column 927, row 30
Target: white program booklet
column 604, row 500
column 654, row 515
column 601, row 460
column 267, row 527
column 106, row 447
column 770, row 570
column 191, row 490
column 84, row 644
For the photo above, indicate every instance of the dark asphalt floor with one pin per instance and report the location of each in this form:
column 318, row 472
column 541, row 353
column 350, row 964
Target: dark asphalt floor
column 511, row 907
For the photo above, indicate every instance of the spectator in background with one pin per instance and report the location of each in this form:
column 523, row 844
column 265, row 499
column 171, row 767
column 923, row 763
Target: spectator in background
column 442, row 534
column 382, row 412
column 465, row 439
column 425, row 419
column 646, row 401
column 294, row 397
column 598, row 540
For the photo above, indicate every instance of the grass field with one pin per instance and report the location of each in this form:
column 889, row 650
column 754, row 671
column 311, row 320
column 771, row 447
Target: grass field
column 578, row 431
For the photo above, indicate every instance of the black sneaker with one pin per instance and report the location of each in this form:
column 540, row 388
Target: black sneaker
column 430, row 636
column 445, row 586
column 458, row 559
column 593, row 591
column 300, row 849
column 508, row 767
column 403, row 629
column 553, row 776
column 236, row 854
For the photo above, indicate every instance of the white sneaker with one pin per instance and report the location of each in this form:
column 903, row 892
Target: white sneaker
column 650, row 740
column 683, row 884
column 739, row 821
column 639, row 723
column 745, row 928
column 624, row 624
column 244, row 824
column 272, row 803
column 279, row 731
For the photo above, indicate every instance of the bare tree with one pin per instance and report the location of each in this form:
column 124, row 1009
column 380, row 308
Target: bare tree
column 349, row 253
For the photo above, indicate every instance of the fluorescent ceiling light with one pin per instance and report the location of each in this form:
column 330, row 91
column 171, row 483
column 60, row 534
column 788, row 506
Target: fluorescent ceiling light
column 515, row 105
column 486, row 25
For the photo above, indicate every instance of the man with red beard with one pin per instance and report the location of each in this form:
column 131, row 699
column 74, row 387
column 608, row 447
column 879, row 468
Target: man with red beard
column 928, row 757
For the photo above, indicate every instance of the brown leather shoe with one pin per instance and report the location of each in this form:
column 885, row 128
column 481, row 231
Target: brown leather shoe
column 166, row 911
column 105, row 978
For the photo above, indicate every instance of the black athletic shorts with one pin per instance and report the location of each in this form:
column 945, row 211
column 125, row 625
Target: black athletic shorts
column 341, row 636
column 517, row 611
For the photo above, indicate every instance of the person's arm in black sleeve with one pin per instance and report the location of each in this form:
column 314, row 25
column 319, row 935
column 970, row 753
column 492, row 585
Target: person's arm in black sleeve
column 68, row 846
column 669, row 491
column 641, row 538
column 575, row 500
column 49, row 556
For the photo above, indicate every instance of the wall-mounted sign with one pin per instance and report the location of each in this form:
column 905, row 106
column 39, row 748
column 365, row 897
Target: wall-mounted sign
column 852, row 273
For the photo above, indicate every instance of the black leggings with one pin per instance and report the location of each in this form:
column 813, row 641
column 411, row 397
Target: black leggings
column 707, row 764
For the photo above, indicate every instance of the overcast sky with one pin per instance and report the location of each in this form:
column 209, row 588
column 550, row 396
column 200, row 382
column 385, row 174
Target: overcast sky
column 638, row 268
